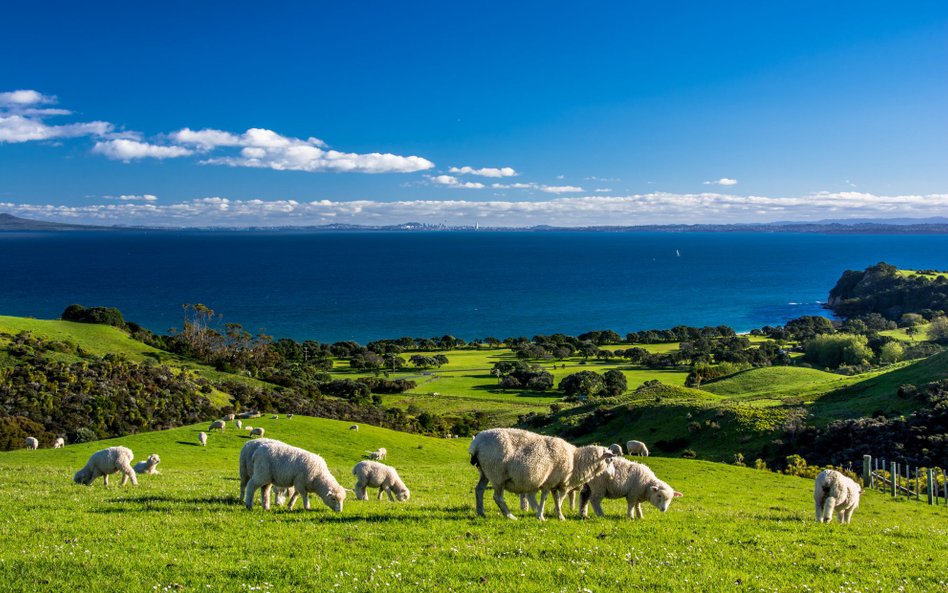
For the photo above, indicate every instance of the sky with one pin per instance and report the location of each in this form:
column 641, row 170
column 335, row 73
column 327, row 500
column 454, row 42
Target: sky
column 494, row 113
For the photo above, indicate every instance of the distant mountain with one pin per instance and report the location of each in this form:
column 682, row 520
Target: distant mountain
column 8, row 222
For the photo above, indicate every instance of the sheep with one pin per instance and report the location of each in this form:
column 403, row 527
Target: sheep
column 529, row 501
column 524, row 462
column 634, row 482
column 354, row 427
column 105, row 462
column 31, row 443
column 59, row 443
column 289, row 416
column 370, row 474
column 202, row 438
column 229, row 417
column 248, row 415
column 248, row 428
column 379, row 454
column 257, row 432
column 148, row 466
column 246, row 460
column 275, row 417
column 616, row 449
column 218, row 424
column 636, row 448
column 834, row 492
column 279, row 464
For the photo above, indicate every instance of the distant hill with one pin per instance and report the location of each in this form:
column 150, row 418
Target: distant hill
column 8, row 222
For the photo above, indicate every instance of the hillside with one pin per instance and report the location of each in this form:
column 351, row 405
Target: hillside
column 185, row 529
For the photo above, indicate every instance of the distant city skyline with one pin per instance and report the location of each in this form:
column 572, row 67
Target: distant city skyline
column 310, row 114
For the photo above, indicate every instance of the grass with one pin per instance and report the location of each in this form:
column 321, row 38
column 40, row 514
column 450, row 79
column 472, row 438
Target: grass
column 185, row 530
column 777, row 383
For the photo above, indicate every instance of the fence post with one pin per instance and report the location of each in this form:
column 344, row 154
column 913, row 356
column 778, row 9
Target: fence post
column 931, row 483
column 867, row 471
column 918, row 488
column 944, row 482
column 895, row 477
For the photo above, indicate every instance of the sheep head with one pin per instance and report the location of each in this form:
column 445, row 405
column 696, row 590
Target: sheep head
column 661, row 495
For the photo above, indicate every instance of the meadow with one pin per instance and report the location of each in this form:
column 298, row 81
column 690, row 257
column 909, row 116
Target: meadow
column 735, row 528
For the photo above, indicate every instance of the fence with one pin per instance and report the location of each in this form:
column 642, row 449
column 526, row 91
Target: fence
column 898, row 479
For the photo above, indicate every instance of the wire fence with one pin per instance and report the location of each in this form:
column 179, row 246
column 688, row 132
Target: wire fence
column 901, row 479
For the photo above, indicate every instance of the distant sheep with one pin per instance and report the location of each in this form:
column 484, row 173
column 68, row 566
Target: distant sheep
column 835, row 493
column 634, row 482
column 105, row 462
column 379, row 454
column 248, row 428
column 59, row 443
column 257, row 432
column 239, row 424
column 354, row 427
column 370, row 474
column 616, row 449
column 275, row 417
column 636, row 448
column 248, row 415
column 279, row 464
column 288, row 416
column 31, row 443
column 229, row 417
column 217, row 424
column 149, row 466
column 524, row 462
column 202, row 438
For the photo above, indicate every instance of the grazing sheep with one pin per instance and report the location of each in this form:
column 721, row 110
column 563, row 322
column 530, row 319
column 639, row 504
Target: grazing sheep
column 218, row 424
column 31, row 443
column 248, row 415
column 202, row 438
column 239, row 424
column 288, row 416
column 275, row 417
column 354, row 427
column 229, row 417
column 59, row 443
column 636, row 448
column 370, row 474
column 246, row 460
column 105, row 462
column 616, row 449
column 148, row 466
column 379, row 454
column 279, row 464
column 835, row 493
column 524, row 462
column 248, row 428
column 257, row 432
column 634, row 482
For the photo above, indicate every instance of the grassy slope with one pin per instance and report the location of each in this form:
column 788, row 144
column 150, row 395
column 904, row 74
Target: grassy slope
column 185, row 528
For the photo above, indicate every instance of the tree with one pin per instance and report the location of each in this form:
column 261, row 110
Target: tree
column 585, row 383
column 891, row 352
column 832, row 351
column 938, row 330
column 423, row 362
column 614, row 382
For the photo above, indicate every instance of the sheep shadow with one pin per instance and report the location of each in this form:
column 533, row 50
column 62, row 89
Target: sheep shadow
column 158, row 499
column 189, row 443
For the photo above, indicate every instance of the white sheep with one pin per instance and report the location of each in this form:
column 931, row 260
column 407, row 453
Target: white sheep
column 289, row 416
column 229, row 417
column 31, row 443
column 218, row 424
column 524, row 462
column 616, row 449
column 354, row 427
column 202, row 438
column 257, row 432
column 275, row 417
column 370, row 474
column 248, row 428
column 379, row 454
column 239, row 424
column 835, row 493
column 59, row 443
column 105, row 462
column 634, row 482
column 246, row 460
column 529, row 501
column 636, row 448
column 279, row 464
column 149, row 466
column 248, row 415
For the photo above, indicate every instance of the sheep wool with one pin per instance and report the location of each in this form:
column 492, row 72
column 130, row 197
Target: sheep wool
column 835, row 493
column 105, row 462
column 217, row 424
column 59, row 443
column 524, row 462
column 379, row 454
column 632, row 481
column 245, row 468
column 616, row 449
column 31, row 443
column 636, row 448
column 279, row 464
column 371, row 474
column 149, row 466
column 202, row 438
column 257, row 432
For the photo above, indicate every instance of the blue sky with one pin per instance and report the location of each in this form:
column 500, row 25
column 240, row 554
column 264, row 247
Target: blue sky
column 499, row 113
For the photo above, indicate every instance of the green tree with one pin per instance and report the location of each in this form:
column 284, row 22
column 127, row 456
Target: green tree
column 615, row 382
column 832, row 351
column 891, row 352
column 938, row 330
column 585, row 383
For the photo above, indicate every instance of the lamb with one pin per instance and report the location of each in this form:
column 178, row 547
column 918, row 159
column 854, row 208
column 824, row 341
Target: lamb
column 370, row 474
column 524, row 462
column 257, row 432
column 636, row 448
column 239, row 424
column 59, row 443
column 634, row 482
column 379, row 454
column 279, row 464
column 834, row 492
column 148, row 466
column 229, row 417
column 31, row 443
column 105, row 462
column 616, row 449
column 202, row 438
column 218, row 424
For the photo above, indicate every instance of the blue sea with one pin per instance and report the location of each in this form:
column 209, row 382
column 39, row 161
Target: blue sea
column 331, row 286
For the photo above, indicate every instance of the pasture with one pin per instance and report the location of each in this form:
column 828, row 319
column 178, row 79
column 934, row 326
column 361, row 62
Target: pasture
column 735, row 529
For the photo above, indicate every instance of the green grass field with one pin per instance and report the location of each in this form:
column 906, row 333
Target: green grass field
column 735, row 529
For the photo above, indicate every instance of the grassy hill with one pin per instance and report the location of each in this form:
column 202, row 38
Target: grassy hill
column 735, row 528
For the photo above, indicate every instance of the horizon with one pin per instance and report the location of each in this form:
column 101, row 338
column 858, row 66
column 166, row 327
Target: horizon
column 623, row 116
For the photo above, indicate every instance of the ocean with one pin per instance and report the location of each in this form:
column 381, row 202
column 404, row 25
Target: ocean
column 361, row 286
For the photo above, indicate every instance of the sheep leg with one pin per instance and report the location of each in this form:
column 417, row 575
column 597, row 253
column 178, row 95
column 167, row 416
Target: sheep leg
column 819, row 510
column 572, row 500
column 558, row 496
column 638, row 510
column 265, row 495
column 248, row 496
column 584, row 496
column 390, row 496
column 292, row 502
column 499, row 499
column 105, row 478
column 479, row 495
column 524, row 503
column 596, row 502
column 829, row 505
column 305, row 497
column 379, row 497
column 532, row 501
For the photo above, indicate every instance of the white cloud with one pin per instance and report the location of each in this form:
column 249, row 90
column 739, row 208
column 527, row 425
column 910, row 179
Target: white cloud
column 126, row 150
column 560, row 189
column 485, row 172
column 133, row 198
column 205, row 139
column 451, row 181
column 24, row 97
column 23, row 128
column 603, row 190
column 722, row 181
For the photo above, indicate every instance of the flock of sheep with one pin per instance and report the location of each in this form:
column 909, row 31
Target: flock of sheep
column 508, row 459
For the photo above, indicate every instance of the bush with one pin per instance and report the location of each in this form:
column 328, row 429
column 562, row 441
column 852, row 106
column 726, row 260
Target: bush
column 833, row 351
column 689, row 454
column 101, row 315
